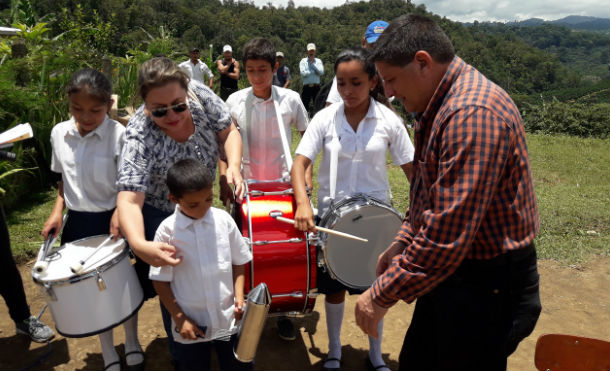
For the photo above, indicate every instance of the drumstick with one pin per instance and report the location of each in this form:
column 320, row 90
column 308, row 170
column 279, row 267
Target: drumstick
column 41, row 266
column 78, row 267
column 329, row 231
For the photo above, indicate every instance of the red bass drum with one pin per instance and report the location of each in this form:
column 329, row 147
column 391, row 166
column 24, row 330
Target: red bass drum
column 281, row 256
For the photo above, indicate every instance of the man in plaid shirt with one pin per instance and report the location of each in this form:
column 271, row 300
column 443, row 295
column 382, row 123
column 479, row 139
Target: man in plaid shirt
column 465, row 249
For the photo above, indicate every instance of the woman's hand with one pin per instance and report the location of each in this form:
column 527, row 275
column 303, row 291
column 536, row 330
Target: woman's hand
column 234, row 178
column 157, row 253
column 115, row 229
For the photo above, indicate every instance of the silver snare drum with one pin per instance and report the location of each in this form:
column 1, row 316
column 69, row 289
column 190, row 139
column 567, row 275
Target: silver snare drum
column 106, row 293
column 351, row 262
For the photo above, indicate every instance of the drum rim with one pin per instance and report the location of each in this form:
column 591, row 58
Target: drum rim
column 333, row 211
column 77, row 278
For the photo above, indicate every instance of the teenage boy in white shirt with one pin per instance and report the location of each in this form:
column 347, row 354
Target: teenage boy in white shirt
column 206, row 290
column 196, row 69
column 254, row 110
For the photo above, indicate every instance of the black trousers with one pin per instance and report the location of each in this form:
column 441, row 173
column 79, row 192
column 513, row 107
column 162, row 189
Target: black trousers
column 308, row 96
column 11, row 285
column 225, row 91
column 197, row 356
column 476, row 318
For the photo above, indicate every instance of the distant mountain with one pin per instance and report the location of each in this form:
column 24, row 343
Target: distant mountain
column 576, row 22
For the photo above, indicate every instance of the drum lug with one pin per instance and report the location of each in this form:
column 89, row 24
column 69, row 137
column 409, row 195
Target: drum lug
column 101, row 285
column 290, row 240
column 49, row 291
column 295, row 294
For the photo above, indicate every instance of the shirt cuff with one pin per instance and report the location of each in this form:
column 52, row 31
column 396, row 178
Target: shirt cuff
column 379, row 297
column 131, row 187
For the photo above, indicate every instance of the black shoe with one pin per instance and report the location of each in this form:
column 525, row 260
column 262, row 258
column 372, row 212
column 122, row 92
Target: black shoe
column 285, row 329
column 137, row 366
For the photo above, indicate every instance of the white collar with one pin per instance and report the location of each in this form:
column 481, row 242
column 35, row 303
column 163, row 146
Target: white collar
column 183, row 221
column 100, row 131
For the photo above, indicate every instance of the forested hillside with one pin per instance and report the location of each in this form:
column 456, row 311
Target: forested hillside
column 132, row 25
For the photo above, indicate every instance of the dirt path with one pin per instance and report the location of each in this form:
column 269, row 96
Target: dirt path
column 575, row 301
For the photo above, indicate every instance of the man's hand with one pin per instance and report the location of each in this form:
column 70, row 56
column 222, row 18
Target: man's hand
column 368, row 314
column 385, row 259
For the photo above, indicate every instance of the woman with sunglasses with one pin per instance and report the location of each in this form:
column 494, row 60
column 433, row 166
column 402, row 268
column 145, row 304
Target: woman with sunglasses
column 178, row 119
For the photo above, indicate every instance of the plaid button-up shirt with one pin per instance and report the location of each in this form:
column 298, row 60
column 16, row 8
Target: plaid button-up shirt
column 472, row 194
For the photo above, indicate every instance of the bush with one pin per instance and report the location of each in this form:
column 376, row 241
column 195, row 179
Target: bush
column 577, row 119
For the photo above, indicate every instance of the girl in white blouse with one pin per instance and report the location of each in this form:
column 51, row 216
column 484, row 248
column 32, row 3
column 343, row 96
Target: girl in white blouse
column 366, row 128
column 86, row 152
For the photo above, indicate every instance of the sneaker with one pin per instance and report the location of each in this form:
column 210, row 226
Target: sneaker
column 36, row 330
column 285, row 329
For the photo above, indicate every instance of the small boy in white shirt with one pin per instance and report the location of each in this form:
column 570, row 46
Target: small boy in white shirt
column 205, row 292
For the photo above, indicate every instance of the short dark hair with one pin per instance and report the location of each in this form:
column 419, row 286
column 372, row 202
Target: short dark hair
column 188, row 175
column 407, row 35
column 259, row 49
column 91, row 81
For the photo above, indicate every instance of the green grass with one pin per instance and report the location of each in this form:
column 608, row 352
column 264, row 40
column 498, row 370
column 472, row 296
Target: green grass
column 571, row 177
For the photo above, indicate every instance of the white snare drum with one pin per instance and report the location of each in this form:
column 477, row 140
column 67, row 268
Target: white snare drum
column 351, row 262
column 105, row 294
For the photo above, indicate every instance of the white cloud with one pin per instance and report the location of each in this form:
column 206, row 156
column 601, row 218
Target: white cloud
column 470, row 10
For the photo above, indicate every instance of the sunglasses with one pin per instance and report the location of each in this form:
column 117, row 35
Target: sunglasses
column 162, row 111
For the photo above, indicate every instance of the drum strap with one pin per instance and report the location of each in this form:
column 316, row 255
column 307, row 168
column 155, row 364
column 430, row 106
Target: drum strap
column 280, row 123
column 335, row 147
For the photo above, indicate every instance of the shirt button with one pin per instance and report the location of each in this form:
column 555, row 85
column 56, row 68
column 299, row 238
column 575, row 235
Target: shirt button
column 496, row 291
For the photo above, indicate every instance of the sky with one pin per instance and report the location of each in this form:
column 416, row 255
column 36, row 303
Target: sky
column 490, row 11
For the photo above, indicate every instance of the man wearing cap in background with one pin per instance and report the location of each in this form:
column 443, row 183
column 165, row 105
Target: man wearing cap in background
column 196, row 69
column 228, row 68
column 281, row 77
column 311, row 69
column 370, row 36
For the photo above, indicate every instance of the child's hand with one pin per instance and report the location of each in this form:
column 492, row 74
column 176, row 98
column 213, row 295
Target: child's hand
column 188, row 329
column 52, row 224
column 239, row 308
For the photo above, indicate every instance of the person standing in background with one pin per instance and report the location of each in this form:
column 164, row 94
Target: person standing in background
column 372, row 33
column 196, row 69
column 281, row 77
column 228, row 68
column 311, row 69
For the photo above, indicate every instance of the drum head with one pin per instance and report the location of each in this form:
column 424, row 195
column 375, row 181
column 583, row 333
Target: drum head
column 353, row 263
column 71, row 253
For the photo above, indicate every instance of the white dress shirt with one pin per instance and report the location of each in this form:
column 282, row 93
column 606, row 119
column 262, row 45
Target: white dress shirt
column 196, row 71
column 362, row 155
column 264, row 159
column 88, row 164
column 203, row 282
